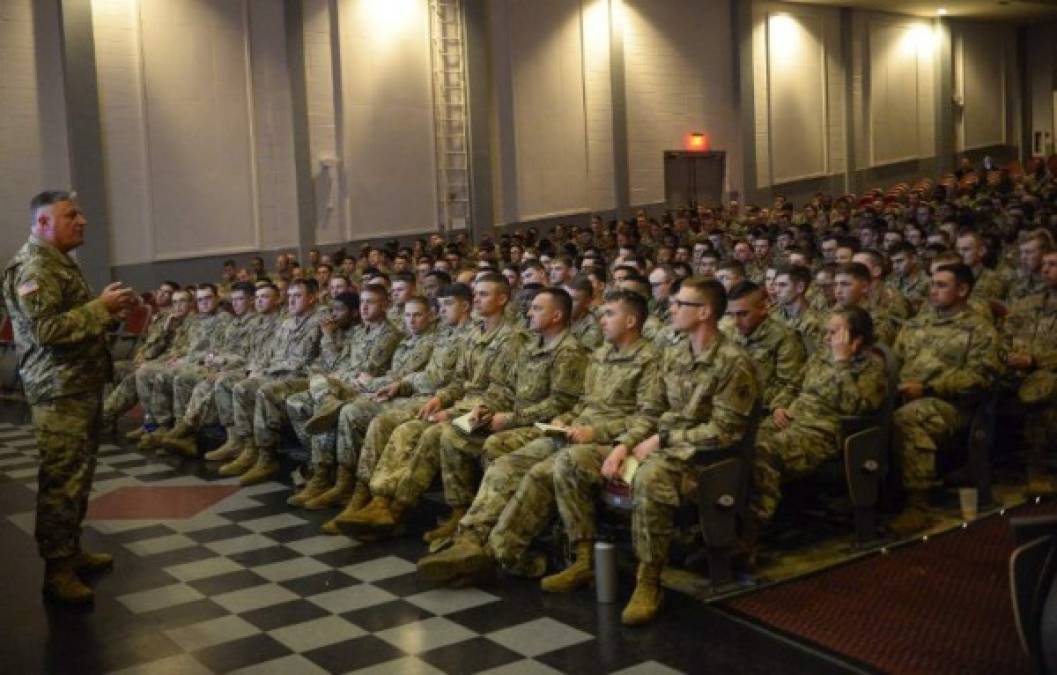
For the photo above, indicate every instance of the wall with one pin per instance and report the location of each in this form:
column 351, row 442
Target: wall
column 1041, row 70
column 33, row 147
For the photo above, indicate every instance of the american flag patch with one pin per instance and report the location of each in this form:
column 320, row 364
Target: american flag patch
column 28, row 288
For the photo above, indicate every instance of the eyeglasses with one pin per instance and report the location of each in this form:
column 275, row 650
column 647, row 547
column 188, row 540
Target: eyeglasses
column 679, row 304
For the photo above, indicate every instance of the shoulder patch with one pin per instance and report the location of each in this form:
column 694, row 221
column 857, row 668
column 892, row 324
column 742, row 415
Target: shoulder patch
column 28, row 288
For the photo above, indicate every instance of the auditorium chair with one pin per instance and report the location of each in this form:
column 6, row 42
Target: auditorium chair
column 124, row 341
column 1032, row 576
column 9, row 380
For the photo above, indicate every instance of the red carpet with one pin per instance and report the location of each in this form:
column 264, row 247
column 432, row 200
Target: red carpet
column 134, row 503
column 939, row 607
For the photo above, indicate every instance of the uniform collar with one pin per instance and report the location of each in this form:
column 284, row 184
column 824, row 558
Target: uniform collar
column 51, row 251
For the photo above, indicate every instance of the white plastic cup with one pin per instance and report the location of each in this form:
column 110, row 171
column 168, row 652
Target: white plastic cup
column 968, row 497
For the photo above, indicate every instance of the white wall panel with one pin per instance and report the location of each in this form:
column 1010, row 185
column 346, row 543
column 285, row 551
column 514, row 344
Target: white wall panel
column 981, row 64
column 598, row 104
column 33, row 151
column 322, row 124
column 387, row 111
column 199, row 126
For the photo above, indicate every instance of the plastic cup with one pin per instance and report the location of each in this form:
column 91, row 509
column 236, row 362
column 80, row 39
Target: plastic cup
column 967, row 497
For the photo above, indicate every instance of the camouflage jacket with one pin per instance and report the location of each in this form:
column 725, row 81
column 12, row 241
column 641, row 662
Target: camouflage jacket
column 891, row 301
column 709, row 397
column 954, row 356
column 915, row 288
column 261, row 337
column 368, row 349
column 989, row 284
column 1031, row 327
column 205, row 335
column 778, row 355
column 832, row 389
column 234, row 347
column 1023, row 286
column 159, row 339
column 447, row 346
column 588, row 331
column 411, row 356
column 810, row 324
column 482, row 371
column 395, row 314
column 295, row 345
column 548, row 379
column 622, row 394
column 60, row 329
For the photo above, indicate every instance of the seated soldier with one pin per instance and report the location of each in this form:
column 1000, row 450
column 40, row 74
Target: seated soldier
column 708, row 390
column 852, row 288
column 949, row 358
column 584, row 325
column 841, row 378
column 880, row 295
column 1030, row 345
column 908, row 277
column 792, row 308
column 1028, row 279
column 989, row 284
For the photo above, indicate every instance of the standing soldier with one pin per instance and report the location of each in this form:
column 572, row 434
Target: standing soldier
column 60, row 334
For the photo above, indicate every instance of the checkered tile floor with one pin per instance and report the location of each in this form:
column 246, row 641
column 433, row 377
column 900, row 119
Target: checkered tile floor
column 249, row 585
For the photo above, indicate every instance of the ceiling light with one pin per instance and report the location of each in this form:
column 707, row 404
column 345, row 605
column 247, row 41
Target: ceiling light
column 942, row 11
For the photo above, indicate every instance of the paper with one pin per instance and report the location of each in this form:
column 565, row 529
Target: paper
column 467, row 424
column 627, row 473
column 552, row 429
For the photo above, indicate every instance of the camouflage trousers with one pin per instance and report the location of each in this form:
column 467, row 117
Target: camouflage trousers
column 463, row 457
column 922, row 427
column 410, row 461
column 67, row 432
column 353, row 422
column 121, row 398
column 244, row 404
column 501, row 480
column 526, row 514
column 146, row 382
column 224, row 396
column 382, row 463
column 180, row 383
column 270, row 410
column 302, row 405
column 194, row 398
column 785, row 455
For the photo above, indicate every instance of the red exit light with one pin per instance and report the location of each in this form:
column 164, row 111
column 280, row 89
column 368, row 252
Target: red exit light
column 697, row 142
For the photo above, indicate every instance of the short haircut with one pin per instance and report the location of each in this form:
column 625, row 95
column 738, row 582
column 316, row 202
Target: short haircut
column 875, row 255
column 744, row 289
column 171, row 284
column 310, row 285
column 377, row 289
column 351, row 300
column 209, row 287
column 798, row 274
column 860, row 323
column 406, row 277
column 49, row 197
column 634, row 302
column 562, row 300
column 733, row 265
column 533, row 265
column 581, row 283
column 266, row 285
column 244, row 287
column 495, row 278
column 854, row 269
column 229, row 263
column 715, row 296
column 457, row 291
column 420, row 299
column 963, row 274
column 903, row 247
column 638, row 285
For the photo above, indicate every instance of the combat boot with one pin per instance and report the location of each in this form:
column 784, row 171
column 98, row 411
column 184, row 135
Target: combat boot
column 381, row 519
column 326, row 417
column 180, row 430
column 227, row 452
column 151, row 440
column 915, row 517
column 243, row 463
column 62, row 584
column 648, row 597
column 340, row 493
column 446, row 529
column 93, row 563
column 577, row 575
column 267, row 466
column 349, row 516
column 465, row 559
column 188, row 447
column 316, row 485
column 1040, row 484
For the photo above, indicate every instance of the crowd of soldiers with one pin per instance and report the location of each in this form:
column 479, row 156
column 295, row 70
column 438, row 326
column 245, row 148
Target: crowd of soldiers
column 529, row 371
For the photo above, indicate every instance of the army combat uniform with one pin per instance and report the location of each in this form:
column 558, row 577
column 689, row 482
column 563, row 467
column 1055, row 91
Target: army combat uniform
column 831, row 389
column 160, row 340
column 778, row 355
column 809, row 324
column 588, row 331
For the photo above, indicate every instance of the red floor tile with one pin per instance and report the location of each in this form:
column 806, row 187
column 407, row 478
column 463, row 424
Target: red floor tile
column 131, row 503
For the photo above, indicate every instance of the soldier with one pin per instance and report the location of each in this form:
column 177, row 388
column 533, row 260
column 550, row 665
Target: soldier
column 402, row 400
column 851, row 286
column 403, row 288
column 295, row 345
column 246, row 339
column 709, row 391
column 660, row 279
column 777, row 352
column 1028, row 279
column 1030, row 346
column 730, row 273
column 880, row 295
column 366, row 353
column 909, row 279
column 411, row 355
column 792, row 308
column 60, row 334
column 205, row 337
column 516, row 499
column 482, row 376
column 989, row 284
column 949, row 358
column 583, row 324
column 841, row 378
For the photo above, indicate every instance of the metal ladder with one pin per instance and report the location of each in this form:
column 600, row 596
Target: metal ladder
column 450, row 116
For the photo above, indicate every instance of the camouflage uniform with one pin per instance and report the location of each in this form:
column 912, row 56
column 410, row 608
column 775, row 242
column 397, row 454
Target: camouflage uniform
column 548, row 381
column 368, row 349
column 385, row 471
column 205, row 336
column 709, row 399
column 1031, row 327
column 809, row 324
column 778, row 355
column 481, row 376
column 160, row 338
column 831, row 389
column 223, row 385
column 956, row 358
column 587, row 331
column 890, row 301
column 60, row 335
column 1023, row 286
column 989, row 284
column 915, row 288
column 516, row 501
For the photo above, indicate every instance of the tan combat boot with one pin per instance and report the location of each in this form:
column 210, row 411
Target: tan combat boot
column 92, row 563
column 379, row 520
column 326, row 417
column 231, row 449
column 62, row 584
column 316, row 485
column 340, row 493
column 466, row 558
column 446, row 529
column 265, row 469
column 246, row 460
column 377, row 503
column 361, row 497
column 577, row 575
column 151, row 440
column 180, row 430
column 915, row 517
column 648, row 597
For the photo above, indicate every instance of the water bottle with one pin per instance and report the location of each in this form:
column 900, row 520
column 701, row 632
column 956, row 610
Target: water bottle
column 606, row 572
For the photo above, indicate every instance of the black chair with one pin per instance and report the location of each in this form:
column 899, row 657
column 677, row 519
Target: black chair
column 1032, row 572
column 980, row 441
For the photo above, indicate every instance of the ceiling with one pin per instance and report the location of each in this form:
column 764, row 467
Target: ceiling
column 1006, row 10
